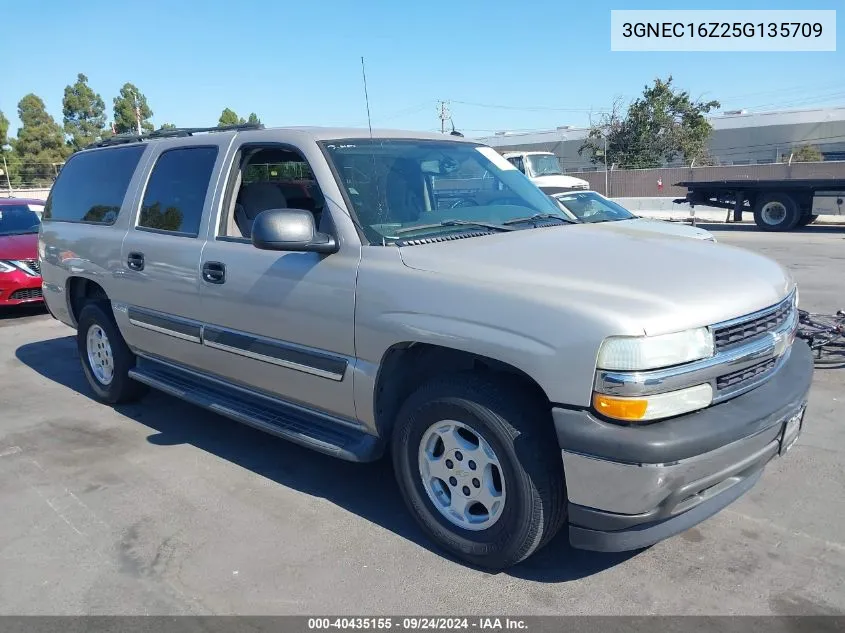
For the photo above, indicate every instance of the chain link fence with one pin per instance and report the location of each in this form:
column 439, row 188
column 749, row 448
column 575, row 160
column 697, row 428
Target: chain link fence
column 18, row 177
column 660, row 182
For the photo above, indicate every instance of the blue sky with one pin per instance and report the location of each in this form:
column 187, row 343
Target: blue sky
column 504, row 65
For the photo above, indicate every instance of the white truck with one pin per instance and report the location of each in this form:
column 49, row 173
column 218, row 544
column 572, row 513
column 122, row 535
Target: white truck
column 543, row 169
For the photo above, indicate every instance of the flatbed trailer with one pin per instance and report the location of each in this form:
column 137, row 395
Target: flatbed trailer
column 777, row 205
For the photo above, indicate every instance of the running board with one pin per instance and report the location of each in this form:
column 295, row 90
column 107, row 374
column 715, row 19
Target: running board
column 290, row 422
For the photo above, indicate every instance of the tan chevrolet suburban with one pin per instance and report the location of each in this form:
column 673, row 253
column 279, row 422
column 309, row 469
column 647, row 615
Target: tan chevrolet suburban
column 414, row 295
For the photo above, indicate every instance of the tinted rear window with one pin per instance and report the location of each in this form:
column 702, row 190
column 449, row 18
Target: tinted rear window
column 17, row 219
column 91, row 185
column 176, row 191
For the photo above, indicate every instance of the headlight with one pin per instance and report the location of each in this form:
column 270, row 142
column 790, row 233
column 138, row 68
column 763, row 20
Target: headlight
column 6, row 267
column 654, row 407
column 638, row 353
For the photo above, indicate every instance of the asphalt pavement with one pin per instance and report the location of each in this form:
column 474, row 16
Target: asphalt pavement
column 162, row 508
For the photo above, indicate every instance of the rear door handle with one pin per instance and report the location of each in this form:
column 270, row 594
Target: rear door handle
column 214, row 272
column 135, row 261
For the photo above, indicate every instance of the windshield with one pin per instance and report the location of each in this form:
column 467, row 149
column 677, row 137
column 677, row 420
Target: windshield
column 397, row 186
column 591, row 207
column 543, row 165
column 18, row 219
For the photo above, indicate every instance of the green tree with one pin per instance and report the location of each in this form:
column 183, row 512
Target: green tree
column 807, row 154
column 168, row 126
column 253, row 118
column 658, row 127
column 4, row 132
column 40, row 145
column 84, row 113
column 124, row 110
column 229, row 117
column 153, row 217
column 6, row 155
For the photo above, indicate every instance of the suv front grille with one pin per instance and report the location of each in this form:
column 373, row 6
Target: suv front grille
column 34, row 264
column 745, row 330
column 738, row 378
column 26, row 294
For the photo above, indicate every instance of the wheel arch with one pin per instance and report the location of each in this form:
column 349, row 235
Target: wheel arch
column 79, row 290
column 407, row 365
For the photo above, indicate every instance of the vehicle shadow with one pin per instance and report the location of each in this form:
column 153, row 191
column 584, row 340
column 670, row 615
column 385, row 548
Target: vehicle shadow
column 350, row 486
column 7, row 313
column 813, row 229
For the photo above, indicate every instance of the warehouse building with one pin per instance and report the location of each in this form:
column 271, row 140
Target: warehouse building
column 739, row 138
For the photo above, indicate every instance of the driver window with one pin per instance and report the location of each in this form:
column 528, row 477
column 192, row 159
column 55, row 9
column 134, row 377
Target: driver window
column 269, row 177
column 517, row 162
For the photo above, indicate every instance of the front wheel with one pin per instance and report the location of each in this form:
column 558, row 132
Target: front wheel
column 478, row 466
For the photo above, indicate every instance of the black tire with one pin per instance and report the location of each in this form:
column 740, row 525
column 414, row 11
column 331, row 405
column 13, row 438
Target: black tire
column 763, row 217
column 519, row 429
column 806, row 220
column 121, row 388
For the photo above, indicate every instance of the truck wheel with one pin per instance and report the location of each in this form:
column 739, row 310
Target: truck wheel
column 479, row 467
column 106, row 359
column 806, row 220
column 776, row 212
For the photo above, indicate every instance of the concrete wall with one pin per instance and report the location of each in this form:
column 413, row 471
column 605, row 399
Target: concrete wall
column 39, row 194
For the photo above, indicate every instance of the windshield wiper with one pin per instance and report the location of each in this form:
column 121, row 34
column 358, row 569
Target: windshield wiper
column 540, row 216
column 423, row 227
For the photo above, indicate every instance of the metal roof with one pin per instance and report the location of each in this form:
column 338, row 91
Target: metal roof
column 721, row 122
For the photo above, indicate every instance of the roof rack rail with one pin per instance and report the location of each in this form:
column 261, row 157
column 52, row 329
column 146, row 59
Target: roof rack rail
column 173, row 132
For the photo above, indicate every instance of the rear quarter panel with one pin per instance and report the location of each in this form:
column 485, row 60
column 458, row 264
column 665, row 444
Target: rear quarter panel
column 87, row 250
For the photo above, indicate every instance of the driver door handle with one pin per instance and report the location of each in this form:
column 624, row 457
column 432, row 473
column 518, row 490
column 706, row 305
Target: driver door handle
column 214, row 272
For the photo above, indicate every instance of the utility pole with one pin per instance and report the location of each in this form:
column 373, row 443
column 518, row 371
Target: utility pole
column 606, row 192
column 137, row 112
column 8, row 179
column 444, row 114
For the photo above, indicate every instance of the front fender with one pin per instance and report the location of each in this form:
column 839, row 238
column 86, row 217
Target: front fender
column 553, row 344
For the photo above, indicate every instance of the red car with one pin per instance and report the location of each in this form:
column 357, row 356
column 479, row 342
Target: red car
column 20, row 271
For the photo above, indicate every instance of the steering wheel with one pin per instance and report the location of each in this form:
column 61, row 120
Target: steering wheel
column 463, row 202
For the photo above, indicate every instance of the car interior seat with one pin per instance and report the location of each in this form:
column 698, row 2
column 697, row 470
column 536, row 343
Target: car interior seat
column 255, row 198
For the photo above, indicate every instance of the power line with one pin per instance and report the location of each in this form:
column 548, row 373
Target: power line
column 528, row 108
column 801, row 101
column 778, row 91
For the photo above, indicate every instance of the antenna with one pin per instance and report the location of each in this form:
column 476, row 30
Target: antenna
column 373, row 155
column 366, row 97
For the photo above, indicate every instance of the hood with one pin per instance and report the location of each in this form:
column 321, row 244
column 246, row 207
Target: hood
column 567, row 182
column 663, row 227
column 19, row 246
column 640, row 280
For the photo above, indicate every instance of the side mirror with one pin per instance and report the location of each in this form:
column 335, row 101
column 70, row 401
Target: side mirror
column 290, row 230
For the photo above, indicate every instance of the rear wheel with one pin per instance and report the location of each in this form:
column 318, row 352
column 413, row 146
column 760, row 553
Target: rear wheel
column 106, row 359
column 479, row 467
column 776, row 212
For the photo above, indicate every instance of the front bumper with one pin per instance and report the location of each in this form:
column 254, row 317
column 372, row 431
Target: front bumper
column 632, row 486
column 18, row 288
